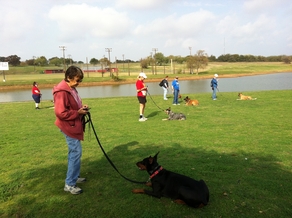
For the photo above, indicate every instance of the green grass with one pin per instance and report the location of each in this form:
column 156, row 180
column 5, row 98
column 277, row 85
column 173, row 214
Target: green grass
column 242, row 149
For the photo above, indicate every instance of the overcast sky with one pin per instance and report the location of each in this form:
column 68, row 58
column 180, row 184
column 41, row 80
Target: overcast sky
column 134, row 28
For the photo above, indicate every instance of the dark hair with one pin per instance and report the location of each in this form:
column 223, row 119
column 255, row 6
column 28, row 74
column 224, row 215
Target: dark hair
column 72, row 72
column 34, row 83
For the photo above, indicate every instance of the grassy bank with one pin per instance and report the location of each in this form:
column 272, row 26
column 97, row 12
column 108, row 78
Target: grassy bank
column 22, row 77
column 242, row 149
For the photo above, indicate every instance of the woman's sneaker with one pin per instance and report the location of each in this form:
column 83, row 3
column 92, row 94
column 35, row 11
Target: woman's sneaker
column 73, row 189
column 81, row 180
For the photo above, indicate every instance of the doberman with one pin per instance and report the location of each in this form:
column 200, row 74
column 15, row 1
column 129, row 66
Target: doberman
column 182, row 189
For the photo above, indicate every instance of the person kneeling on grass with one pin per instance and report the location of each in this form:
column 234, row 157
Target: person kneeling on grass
column 70, row 113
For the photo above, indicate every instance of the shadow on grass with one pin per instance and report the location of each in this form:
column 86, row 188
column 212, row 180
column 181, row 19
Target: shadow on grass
column 241, row 185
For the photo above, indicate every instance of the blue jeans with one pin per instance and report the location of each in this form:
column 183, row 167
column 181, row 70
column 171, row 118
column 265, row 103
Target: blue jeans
column 74, row 162
column 164, row 92
column 175, row 96
column 214, row 96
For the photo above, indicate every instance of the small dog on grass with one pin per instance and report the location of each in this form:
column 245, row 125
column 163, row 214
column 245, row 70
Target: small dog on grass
column 245, row 97
column 174, row 116
column 189, row 101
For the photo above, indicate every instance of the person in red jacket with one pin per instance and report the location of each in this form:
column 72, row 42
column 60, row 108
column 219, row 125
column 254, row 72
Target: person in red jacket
column 69, row 113
column 141, row 95
column 36, row 94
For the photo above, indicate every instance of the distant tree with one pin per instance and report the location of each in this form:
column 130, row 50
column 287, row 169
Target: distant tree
column 41, row 61
column 144, row 63
column 30, row 62
column 212, row 58
column 199, row 60
column 55, row 61
column 104, row 61
column 13, row 60
column 286, row 59
column 93, row 61
column 159, row 58
column 2, row 59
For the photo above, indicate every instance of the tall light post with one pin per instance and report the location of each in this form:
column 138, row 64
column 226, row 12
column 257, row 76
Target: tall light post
column 123, row 62
column 191, row 64
column 63, row 48
column 33, row 63
column 155, row 50
column 109, row 50
column 70, row 58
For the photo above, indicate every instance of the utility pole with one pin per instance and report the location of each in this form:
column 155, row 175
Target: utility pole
column 123, row 62
column 191, row 62
column 63, row 48
column 33, row 63
column 155, row 50
column 69, row 56
column 109, row 50
column 151, row 62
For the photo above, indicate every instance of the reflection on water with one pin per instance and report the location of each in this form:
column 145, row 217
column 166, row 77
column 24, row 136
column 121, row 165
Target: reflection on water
column 278, row 81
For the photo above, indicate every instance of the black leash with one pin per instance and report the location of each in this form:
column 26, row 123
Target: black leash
column 154, row 101
column 88, row 120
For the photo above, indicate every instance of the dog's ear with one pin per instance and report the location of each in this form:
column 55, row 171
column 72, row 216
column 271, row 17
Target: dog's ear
column 155, row 156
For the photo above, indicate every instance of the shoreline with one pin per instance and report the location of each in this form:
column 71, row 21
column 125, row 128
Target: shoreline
column 130, row 81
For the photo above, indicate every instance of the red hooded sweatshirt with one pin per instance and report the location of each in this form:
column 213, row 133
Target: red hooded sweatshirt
column 68, row 119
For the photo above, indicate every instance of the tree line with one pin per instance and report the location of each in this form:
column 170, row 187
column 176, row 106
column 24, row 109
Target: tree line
column 194, row 62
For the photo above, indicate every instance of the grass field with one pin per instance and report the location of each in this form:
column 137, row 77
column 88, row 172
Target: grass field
column 242, row 149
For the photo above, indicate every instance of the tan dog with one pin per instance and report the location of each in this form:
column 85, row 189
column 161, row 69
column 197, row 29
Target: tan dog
column 191, row 102
column 245, row 97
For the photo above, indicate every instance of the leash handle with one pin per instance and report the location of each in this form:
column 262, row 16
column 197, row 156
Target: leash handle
column 109, row 160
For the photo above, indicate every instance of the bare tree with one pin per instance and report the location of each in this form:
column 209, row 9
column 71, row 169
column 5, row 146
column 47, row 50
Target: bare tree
column 199, row 60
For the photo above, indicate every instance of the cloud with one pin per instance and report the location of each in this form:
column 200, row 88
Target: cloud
column 76, row 22
column 186, row 25
column 144, row 4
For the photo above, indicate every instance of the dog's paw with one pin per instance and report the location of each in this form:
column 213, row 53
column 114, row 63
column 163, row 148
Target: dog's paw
column 138, row 191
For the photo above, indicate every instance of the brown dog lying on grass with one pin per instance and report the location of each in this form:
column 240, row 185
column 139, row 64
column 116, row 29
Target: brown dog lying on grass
column 245, row 97
column 189, row 101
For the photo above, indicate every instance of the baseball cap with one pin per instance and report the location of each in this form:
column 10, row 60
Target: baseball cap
column 215, row 75
column 142, row 75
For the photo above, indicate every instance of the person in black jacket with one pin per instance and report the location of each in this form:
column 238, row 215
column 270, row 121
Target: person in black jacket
column 164, row 85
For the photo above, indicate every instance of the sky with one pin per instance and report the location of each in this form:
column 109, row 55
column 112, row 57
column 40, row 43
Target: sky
column 135, row 29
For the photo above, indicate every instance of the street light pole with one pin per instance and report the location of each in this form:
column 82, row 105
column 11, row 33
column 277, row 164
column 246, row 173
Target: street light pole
column 33, row 63
column 63, row 49
column 191, row 64
column 108, row 50
column 155, row 50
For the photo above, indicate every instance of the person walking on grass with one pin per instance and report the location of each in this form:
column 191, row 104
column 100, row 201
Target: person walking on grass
column 214, row 85
column 141, row 89
column 36, row 95
column 70, row 114
column 175, row 91
column 164, row 85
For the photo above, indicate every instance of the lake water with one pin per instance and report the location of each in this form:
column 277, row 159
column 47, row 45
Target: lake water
column 277, row 81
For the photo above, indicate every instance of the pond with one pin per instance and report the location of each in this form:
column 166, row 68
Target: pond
column 277, row 81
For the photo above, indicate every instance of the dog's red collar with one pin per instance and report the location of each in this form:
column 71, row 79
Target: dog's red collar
column 156, row 172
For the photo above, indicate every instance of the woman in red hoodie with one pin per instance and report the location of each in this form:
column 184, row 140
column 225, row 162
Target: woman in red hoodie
column 69, row 112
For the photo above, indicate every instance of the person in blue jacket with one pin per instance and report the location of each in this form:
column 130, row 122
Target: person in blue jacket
column 214, row 85
column 175, row 90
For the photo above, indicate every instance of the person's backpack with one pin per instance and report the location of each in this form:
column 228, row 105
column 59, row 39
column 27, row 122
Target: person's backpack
column 161, row 83
column 211, row 84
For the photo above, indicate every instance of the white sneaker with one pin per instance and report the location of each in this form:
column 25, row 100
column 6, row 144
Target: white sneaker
column 142, row 119
column 81, row 180
column 74, row 190
column 145, row 118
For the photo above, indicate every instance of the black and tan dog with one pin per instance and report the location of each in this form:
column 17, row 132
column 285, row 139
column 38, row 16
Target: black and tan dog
column 189, row 101
column 245, row 97
column 182, row 189
column 174, row 116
